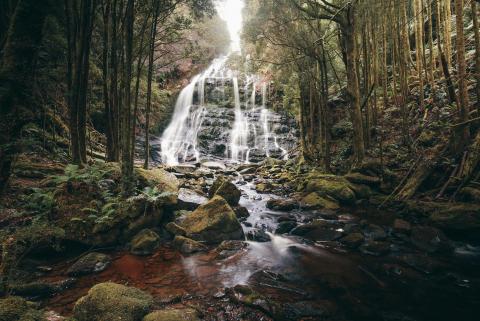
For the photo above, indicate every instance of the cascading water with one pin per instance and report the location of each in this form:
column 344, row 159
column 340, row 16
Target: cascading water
column 208, row 123
column 239, row 141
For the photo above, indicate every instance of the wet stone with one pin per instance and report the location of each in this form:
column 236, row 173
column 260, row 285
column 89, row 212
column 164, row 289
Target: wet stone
column 375, row 248
column 91, row 263
column 401, row 226
column 285, row 227
column 258, row 235
column 353, row 240
column 281, row 204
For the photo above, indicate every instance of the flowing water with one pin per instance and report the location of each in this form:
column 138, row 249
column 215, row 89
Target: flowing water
column 216, row 116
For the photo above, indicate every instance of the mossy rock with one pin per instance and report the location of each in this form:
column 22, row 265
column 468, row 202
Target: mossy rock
column 188, row 246
column 213, row 222
column 225, row 189
column 17, row 309
column 175, row 229
column 315, row 201
column 334, row 186
column 359, row 178
column 173, row 315
column 164, row 181
column 458, row 217
column 91, row 263
column 111, row 301
column 145, row 242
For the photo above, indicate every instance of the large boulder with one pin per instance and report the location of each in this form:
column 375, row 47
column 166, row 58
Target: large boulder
column 318, row 230
column 91, row 263
column 173, row 315
column 213, row 222
column 330, row 185
column 189, row 199
column 459, row 218
column 164, row 181
column 281, row 204
column 111, row 301
column 17, row 309
column 145, row 243
column 225, row 189
column 315, row 201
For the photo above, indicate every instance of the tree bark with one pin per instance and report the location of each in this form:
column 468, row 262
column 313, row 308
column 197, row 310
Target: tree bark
column 464, row 107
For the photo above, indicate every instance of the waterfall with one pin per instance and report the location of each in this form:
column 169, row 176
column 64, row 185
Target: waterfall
column 239, row 135
column 205, row 125
column 180, row 140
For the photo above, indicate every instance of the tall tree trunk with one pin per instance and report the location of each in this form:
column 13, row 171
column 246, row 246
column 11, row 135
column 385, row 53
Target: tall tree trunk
column 419, row 50
column 79, row 35
column 353, row 89
column 151, row 56
column 127, row 160
column 476, row 30
column 464, row 107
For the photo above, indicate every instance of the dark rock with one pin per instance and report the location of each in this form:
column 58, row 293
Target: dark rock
column 258, row 235
column 430, row 239
column 175, row 229
column 285, row 227
column 91, row 263
column 375, row 248
column 353, row 240
column 41, row 289
column 145, row 243
column 226, row 189
column 401, row 226
column 286, row 218
column 375, row 232
column 281, row 204
column 187, row 246
column 318, row 230
column 241, row 212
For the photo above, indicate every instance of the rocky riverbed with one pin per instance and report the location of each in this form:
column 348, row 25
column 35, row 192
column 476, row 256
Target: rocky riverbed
column 273, row 241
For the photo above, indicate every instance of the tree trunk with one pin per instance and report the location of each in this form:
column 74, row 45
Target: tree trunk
column 151, row 53
column 351, row 51
column 464, row 107
column 127, row 160
column 476, row 30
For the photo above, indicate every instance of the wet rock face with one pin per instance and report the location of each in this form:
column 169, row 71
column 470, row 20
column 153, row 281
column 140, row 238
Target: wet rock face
column 214, row 136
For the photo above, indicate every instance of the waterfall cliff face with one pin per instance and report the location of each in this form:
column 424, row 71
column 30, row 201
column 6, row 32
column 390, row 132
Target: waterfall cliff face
column 221, row 115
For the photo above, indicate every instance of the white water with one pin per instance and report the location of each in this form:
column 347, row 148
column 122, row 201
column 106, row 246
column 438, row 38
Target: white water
column 181, row 136
column 179, row 142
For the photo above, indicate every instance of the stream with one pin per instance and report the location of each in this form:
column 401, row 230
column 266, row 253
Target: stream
column 309, row 280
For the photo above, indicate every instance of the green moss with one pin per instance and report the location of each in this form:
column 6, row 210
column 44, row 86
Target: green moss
column 315, row 201
column 111, row 301
column 213, row 222
column 173, row 315
column 17, row 309
column 331, row 185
